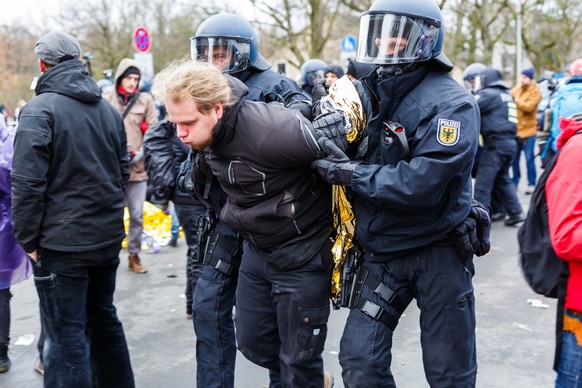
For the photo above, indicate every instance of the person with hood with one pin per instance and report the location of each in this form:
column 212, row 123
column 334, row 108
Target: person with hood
column 139, row 112
column 564, row 199
column 69, row 172
column 261, row 155
column 498, row 128
column 527, row 96
column 14, row 263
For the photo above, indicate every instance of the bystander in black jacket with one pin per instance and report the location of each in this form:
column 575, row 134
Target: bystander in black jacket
column 68, row 195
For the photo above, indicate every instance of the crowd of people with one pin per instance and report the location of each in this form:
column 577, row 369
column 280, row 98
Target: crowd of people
column 248, row 159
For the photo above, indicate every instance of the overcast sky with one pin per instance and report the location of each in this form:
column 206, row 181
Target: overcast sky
column 37, row 9
column 34, row 9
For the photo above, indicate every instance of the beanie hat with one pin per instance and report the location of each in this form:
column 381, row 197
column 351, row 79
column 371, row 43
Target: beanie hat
column 335, row 69
column 529, row 72
column 56, row 47
column 130, row 70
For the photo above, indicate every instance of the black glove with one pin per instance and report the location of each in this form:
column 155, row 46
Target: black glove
column 184, row 179
column 483, row 228
column 331, row 125
column 319, row 90
column 465, row 237
column 303, row 107
column 471, row 237
column 335, row 168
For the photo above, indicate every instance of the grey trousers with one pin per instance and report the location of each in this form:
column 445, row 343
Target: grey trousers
column 135, row 195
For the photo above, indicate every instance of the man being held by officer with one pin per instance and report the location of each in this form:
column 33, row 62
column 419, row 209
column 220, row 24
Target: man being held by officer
column 261, row 155
column 229, row 42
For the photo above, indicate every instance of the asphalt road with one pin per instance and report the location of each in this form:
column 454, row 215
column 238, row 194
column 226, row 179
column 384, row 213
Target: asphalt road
column 515, row 341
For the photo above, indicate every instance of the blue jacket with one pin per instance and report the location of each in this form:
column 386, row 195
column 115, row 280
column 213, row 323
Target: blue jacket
column 404, row 202
column 269, row 86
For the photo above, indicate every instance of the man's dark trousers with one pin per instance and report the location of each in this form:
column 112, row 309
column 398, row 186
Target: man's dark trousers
column 85, row 344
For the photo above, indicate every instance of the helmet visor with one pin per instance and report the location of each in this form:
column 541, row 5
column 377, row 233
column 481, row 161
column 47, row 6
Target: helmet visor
column 228, row 54
column 313, row 76
column 391, row 39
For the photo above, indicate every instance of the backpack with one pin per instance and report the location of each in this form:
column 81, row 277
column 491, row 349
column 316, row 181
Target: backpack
column 542, row 268
column 566, row 101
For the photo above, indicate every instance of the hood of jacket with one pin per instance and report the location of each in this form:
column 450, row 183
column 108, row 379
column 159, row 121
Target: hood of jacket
column 569, row 128
column 69, row 78
column 125, row 64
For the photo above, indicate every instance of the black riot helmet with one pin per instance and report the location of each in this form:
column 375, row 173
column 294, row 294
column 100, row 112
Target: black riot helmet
column 401, row 32
column 489, row 77
column 311, row 71
column 228, row 41
column 470, row 73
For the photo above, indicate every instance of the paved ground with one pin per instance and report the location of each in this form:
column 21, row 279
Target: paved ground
column 515, row 341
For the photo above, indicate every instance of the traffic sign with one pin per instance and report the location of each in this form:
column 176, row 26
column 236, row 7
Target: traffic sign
column 141, row 40
column 349, row 43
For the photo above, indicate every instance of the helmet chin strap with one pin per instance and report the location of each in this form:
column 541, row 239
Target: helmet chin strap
column 387, row 71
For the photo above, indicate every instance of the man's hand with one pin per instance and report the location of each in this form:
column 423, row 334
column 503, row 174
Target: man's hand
column 319, row 90
column 33, row 255
column 335, row 168
column 137, row 157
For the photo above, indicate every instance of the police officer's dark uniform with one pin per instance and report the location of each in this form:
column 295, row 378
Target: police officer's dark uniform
column 409, row 196
column 164, row 153
column 498, row 128
column 214, row 299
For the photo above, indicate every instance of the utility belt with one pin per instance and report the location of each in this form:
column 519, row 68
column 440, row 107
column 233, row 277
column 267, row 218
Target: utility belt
column 218, row 246
column 470, row 238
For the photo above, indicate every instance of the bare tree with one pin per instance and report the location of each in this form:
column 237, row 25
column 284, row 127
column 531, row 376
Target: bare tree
column 303, row 27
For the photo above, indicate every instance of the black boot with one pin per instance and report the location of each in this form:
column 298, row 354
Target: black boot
column 4, row 360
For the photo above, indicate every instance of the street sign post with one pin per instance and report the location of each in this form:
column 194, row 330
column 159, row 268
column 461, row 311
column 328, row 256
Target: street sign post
column 349, row 43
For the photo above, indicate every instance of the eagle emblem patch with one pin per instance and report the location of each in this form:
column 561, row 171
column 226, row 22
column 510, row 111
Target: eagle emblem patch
column 448, row 132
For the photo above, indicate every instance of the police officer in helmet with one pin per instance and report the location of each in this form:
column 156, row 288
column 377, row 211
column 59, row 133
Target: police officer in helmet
column 471, row 81
column 411, row 193
column 311, row 70
column 470, row 74
column 229, row 42
column 498, row 128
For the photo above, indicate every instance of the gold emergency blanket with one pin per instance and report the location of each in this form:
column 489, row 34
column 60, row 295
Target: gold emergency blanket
column 344, row 97
column 156, row 228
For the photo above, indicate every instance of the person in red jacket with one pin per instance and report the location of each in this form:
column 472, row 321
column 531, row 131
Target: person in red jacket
column 564, row 198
